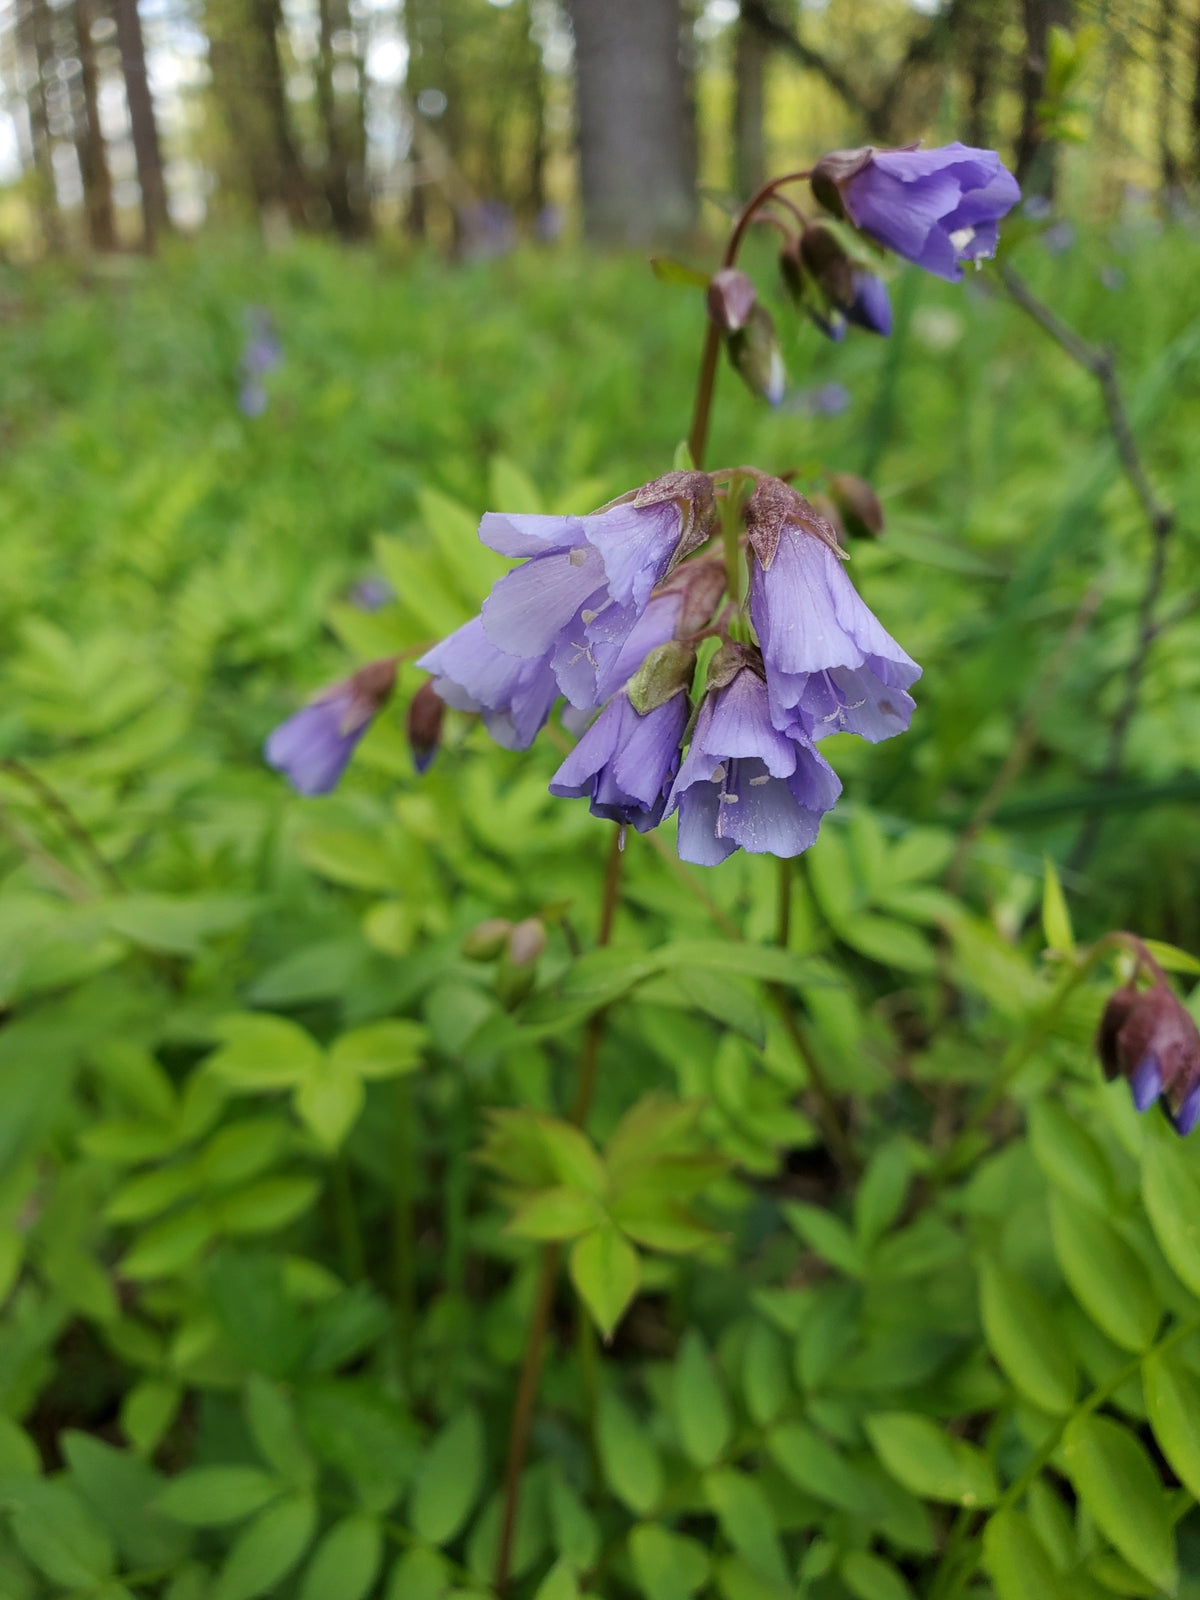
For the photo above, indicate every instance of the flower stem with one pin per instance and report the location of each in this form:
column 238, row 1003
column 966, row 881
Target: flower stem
column 707, row 378
column 543, row 1298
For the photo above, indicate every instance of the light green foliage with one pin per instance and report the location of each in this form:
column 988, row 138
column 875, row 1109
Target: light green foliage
column 278, row 1163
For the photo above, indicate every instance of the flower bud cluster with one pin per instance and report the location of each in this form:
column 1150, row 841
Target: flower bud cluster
column 1148, row 1037
column 606, row 611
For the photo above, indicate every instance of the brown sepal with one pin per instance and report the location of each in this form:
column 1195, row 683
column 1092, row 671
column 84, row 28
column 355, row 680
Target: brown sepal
column 768, row 511
column 730, row 299
column 701, row 583
column 825, row 257
column 833, row 170
column 858, row 504
column 369, row 689
column 731, row 659
column 693, row 492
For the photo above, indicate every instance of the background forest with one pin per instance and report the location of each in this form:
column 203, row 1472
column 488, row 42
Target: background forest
column 321, row 1276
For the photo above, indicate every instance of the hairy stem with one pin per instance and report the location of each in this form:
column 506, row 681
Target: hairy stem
column 543, row 1299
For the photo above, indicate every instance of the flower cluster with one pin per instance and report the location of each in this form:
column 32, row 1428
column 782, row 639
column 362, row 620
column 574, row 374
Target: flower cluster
column 607, row 611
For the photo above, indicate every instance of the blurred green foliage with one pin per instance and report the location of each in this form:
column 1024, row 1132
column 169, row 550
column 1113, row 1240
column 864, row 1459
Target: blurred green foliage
column 277, row 1160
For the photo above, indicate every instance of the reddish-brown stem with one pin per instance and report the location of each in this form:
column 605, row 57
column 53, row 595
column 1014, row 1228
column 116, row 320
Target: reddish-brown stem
column 543, row 1299
column 709, row 355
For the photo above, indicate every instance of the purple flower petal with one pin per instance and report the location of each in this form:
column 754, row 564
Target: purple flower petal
column 517, row 534
column 636, row 544
column 311, row 749
column 624, row 762
column 513, row 695
column 1146, row 1082
column 529, row 607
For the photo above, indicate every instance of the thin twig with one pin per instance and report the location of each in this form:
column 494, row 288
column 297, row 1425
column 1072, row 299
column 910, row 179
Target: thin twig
column 33, row 850
column 69, row 822
column 1100, row 361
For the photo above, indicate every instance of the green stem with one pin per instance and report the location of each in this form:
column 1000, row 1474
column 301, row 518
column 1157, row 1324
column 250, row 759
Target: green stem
column 346, row 1220
column 543, row 1300
column 783, row 907
column 404, row 1266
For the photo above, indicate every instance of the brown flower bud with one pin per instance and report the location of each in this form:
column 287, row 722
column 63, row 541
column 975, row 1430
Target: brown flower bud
column 859, row 505
column 1148, row 1037
column 702, row 583
column 771, row 507
column 425, row 712
column 832, row 171
column 487, row 939
column 730, row 298
column 526, row 941
column 756, row 356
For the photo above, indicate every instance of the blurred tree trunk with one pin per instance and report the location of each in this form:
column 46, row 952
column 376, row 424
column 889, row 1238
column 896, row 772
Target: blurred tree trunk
column 1035, row 154
column 144, row 126
column 535, row 99
column 636, row 144
column 1195, row 106
column 89, row 138
column 34, row 25
column 982, row 44
column 247, row 75
column 341, row 114
column 1168, row 164
column 749, row 107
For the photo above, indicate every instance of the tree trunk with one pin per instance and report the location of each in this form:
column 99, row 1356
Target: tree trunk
column 291, row 185
column 1168, row 165
column 535, row 99
column 982, row 44
column 342, row 124
column 89, row 139
column 749, row 140
column 1035, row 154
column 146, row 147
column 34, row 23
column 1195, row 106
column 635, row 141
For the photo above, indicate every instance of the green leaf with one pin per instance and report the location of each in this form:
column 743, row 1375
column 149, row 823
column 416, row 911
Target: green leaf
column 364, row 1434
column 1016, row 1559
column 170, row 1245
column 1119, row 1487
column 119, row 1488
column 667, row 1566
column 1056, row 919
column 556, row 1214
column 449, row 1480
column 344, row 1564
column 737, row 1580
column 265, row 1552
column 606, row 1271
column 572, row 1155
column 272, row 1203
column 869, row 1578
column 815, row 1466
column 177, row 923
column 60, row 1534
column 276, row 1432
column 1172, row 1393
column 929, row 1461
column 1105, row 1276
column 747, row 1522
column 827, row 1235
column 1171, row 1192
column 1171, row 958
column 380, row 1050
column 668, row 270
column 151, row 1193
column 1026, row 1340
column 19, row 1456
column 765, row 1381
column 558, row 1584
column 207, row 1497
column 330, row 1102
column 701, row 1414
column 264, row 1052
column 881, row 1193
column 575, row 1530
column 631, row 1463
column 1069, row 1156
column 529, row 1531
column 148, row 1410
column 419, row 1574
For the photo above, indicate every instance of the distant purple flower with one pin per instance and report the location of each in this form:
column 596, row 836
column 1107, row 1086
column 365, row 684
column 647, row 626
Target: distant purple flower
column 744, row 784
column 312, row 748
column 488, row 230
column 1058, row 237
column 822, row 400
column 371, row 594
column 870, row 308
column 830, row 665
column 252, row 398
column 936, row 208
column 513, row 696
column 625, row 762
column 261, row 353
column 1113, row 278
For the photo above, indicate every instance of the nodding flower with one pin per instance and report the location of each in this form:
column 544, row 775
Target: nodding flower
column 1149, row 1038
column 312, row 748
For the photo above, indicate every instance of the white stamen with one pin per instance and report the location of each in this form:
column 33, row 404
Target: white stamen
column 961, row 238
column 718, row 775
column 588, row 617
column 757, row 783
column 730, row 799
column 578, row 556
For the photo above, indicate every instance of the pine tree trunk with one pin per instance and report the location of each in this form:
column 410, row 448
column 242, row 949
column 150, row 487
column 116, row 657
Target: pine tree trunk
column 749, row 141
column 146, row 147
column 89, row 138
column 636, row 146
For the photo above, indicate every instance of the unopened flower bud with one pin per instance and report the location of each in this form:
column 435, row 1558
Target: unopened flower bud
column 755, row 353
column 666, row 671
column 701, row 584
column 861, row 512
column 835, row 169
column 425, row 713
column 731, row 298
column 487, row 939
column 1150, row 1039
column 526, row 941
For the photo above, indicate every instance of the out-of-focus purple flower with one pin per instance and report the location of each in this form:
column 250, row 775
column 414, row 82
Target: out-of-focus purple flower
column 1037, row 207
column 936, row 208
column 252, row 398
column 625, row 762
column 1113, row 278
column 548, row 224
column 512, row 695
column 822, row 400
column 312, row 748
column 488, row 230
column 1058, row 237
column 371, row 594
column 744, row 784
column 830, row 665
column 424, row 725
column 1147, row 1037
column 261, row 353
